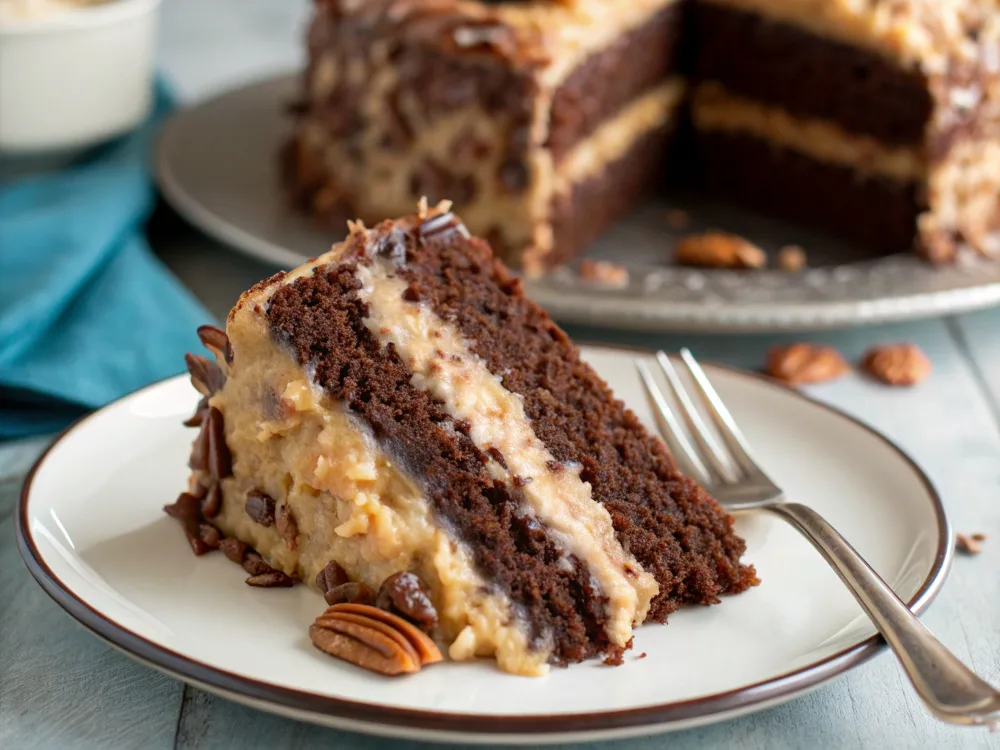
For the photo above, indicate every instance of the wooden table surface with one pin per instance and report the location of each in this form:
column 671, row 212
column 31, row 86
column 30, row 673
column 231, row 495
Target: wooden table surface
column 62, row 688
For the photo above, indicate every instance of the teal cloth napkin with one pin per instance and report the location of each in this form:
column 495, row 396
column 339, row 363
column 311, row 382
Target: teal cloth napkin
column 87, row 313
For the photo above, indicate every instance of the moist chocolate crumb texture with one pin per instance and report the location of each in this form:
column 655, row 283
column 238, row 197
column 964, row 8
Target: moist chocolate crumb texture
column 432, row 436
column 546, row 121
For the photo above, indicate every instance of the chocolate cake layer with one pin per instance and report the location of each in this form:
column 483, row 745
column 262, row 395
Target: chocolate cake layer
column 670, row 525
column 637, row 61
column 591, row 206
column 876, row 213
column 320, row 319
column 808, row 75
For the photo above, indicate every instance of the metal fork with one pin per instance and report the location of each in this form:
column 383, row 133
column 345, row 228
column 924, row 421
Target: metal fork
column 951, row 691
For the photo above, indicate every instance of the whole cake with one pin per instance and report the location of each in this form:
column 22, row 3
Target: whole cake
column 397, row 406
column 546, row 120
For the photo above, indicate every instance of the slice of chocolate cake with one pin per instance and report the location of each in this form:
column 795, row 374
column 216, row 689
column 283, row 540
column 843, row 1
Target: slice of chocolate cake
column 397, row 404
column 543, row 121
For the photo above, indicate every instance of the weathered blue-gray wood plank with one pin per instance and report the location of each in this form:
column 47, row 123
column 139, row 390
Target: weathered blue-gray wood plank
column 979, row 334
column 59, row 686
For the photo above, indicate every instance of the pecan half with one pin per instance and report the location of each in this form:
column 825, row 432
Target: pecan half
column 405, row 594
column 799, row 364
column 385, row 657
column 719, row 250
column 373, row 639
column 896, row 364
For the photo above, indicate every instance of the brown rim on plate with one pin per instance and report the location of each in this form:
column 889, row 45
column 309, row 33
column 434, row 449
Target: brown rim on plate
column 306, row 705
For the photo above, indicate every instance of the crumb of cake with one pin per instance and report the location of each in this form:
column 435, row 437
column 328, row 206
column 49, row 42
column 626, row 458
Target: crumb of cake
column 719, row 250
column 614, row 659
column 604, row 273
column 970, row 544
column 641, row 656
column 678, row 218
column 896, row 364
column 799, row 364
column 791, row 258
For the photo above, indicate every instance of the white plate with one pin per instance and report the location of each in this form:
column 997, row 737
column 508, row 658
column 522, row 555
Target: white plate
column 217, row 163
column 91, row 529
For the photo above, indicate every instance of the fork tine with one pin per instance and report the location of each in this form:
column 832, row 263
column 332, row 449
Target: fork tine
column 671, row 430
column 723, row 420
column 711, row 451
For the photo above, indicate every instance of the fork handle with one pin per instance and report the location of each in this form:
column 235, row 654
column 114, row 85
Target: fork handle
column 949, row 688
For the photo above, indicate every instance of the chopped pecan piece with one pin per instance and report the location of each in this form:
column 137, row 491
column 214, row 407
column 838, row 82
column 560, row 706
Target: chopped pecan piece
column 187, row 510
column 970, row 544
column 234, row 549
column 254, row 564
column 220, row 461
column 209, row 535
column 896, row 364
column 678, row 218
column 350, row 593
column 271, row 579
column 719, row 250
column 791, row 258
column 206, row 376
column 331, row 576
column 799, row 364
column 604, row 273
column 260, row 507
column 405, row 594
column 211, row 503
column 286, row 526
column 216, row 341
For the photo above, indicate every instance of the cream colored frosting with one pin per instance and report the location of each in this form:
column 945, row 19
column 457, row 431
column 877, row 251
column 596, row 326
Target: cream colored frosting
column 350, row 500
column 556, row 496
column 613, row 139
column 575, row 30
column 715, row 109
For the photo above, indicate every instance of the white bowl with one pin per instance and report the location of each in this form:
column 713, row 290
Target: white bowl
column 75, row 78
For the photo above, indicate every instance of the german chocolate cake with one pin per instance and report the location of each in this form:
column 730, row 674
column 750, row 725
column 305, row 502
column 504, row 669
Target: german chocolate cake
column 396, row 410
column 546, row 120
